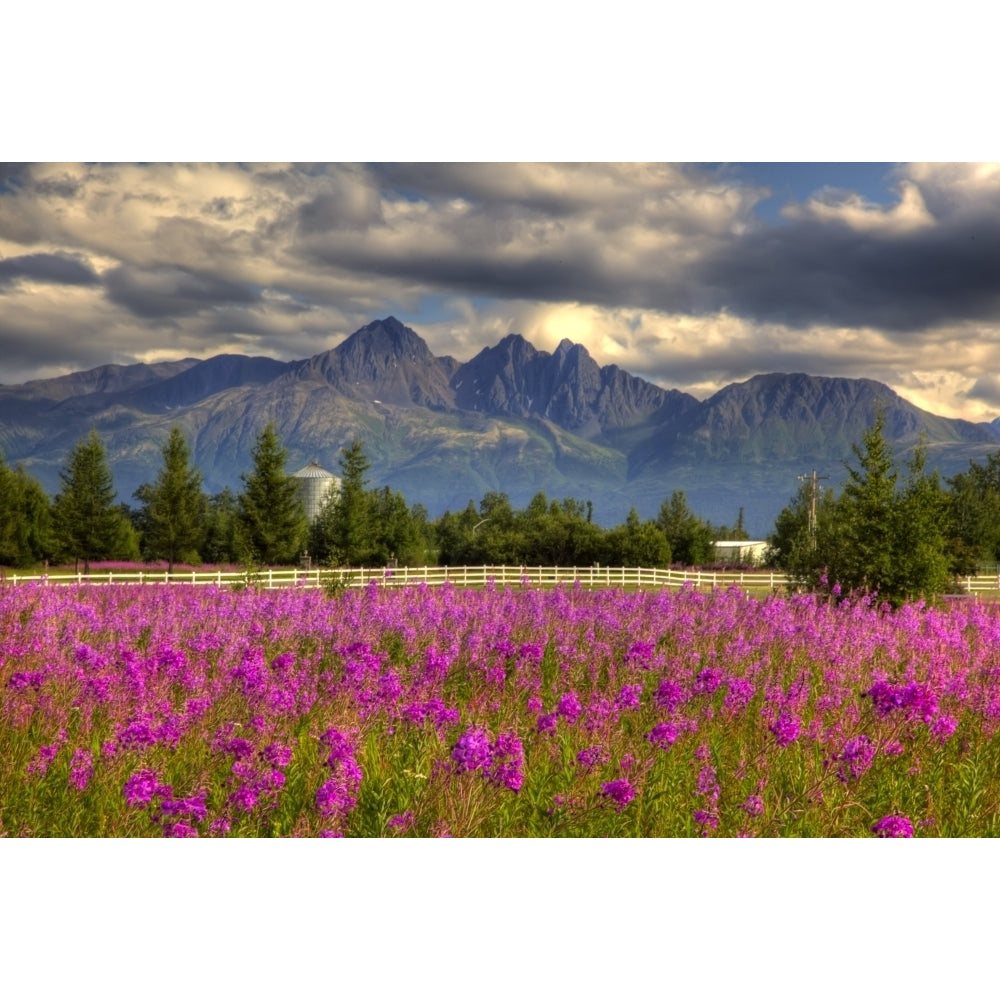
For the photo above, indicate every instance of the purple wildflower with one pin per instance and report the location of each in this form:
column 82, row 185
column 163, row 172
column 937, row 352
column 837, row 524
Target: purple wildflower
column 193, row 807
column 21, row 679
column 43, row 759
column 738, row 695
column 629, row 696
column 179, row 829
column 918, row 699
column 592, row 757
column 506, row 764
column 752, row 805
column 663, row 735
column 707, row 681
column 668, row 695
column 244, row 798
column 893, row 826
column 640, row 653
column 277, row 754
column 239, row 748
column 569, row 707
column 943, row 727
column 472, row 751
column 403, row 822
column 547, row 723
column 855, row 759
column 81, row 769
column 708, row 782
column 620, row 791
column 140, row 788
column 335, row 798
column 786, row 729
column 706, row 820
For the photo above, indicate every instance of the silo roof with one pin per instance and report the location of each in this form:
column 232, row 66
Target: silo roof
column 313, row 471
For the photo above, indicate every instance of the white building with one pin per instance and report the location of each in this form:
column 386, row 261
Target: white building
column 740, row 552
column 315, row 484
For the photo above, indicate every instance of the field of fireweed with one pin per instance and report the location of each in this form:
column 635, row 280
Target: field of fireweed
column 196, row 711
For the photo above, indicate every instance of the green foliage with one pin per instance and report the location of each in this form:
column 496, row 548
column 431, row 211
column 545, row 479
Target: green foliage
column 974, row 515
column 637, row 543
column 877, row 536
column 87, row 524
column 689, row 537
column 270, row 515
column 801, row 546
column 221, row 541
column 173, row 512
column 25, row 519
column 357, row 526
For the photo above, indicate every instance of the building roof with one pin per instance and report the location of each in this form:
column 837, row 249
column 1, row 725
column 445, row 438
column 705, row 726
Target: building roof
column 313, row 471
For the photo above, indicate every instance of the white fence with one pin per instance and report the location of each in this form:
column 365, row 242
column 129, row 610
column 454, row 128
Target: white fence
column 432, row 576
column 459, row 576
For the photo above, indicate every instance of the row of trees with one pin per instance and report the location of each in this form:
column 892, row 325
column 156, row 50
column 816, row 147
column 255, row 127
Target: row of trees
column 563, row 533
column 175, row 521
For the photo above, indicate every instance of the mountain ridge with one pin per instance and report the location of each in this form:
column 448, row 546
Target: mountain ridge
column 513, row 419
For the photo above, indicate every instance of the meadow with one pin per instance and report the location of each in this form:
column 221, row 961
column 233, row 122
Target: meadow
column 501, row 712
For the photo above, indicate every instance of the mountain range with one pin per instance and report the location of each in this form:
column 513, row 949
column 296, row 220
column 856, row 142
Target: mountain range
column 513, row 419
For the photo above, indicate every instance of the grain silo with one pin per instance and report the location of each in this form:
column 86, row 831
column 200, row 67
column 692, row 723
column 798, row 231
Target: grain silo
column 315, row 483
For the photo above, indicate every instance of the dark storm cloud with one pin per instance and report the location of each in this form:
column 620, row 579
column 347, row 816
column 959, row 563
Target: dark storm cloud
column 167, row 292
column 28, row 349
column 54, row 268
column 807, row 273
column 987, row 388
column 339, row 208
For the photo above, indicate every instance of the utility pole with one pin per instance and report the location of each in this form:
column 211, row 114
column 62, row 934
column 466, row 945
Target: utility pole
column 812, row 505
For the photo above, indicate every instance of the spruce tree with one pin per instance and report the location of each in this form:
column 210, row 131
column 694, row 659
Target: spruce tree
column 88, row 524
column 173, row 511
column 272, row 518
column 344, row 532
column 25, row 518
column 867, row 515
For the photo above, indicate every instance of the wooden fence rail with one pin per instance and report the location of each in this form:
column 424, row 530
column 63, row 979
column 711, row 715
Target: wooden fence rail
column 410, row 576
column 459, row 576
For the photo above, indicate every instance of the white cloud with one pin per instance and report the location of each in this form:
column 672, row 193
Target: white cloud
column 907, row 215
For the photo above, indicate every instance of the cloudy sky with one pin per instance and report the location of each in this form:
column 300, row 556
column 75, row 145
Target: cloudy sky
column 690, row 275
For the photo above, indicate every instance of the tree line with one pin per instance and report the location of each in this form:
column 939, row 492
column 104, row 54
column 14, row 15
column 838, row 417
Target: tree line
column 174, row 520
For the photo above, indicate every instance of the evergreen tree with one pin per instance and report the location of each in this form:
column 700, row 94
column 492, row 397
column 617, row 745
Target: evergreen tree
column 974, row 515
column 222, row 543
column 344, row 531
column 88, row 525
column 25, row 518
column 922, row 561
column 174, row 509
column 800, row 547
column 271, row 516
column 875, row 536
column 689, row 537
column 867, row 513
column 397, row 536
